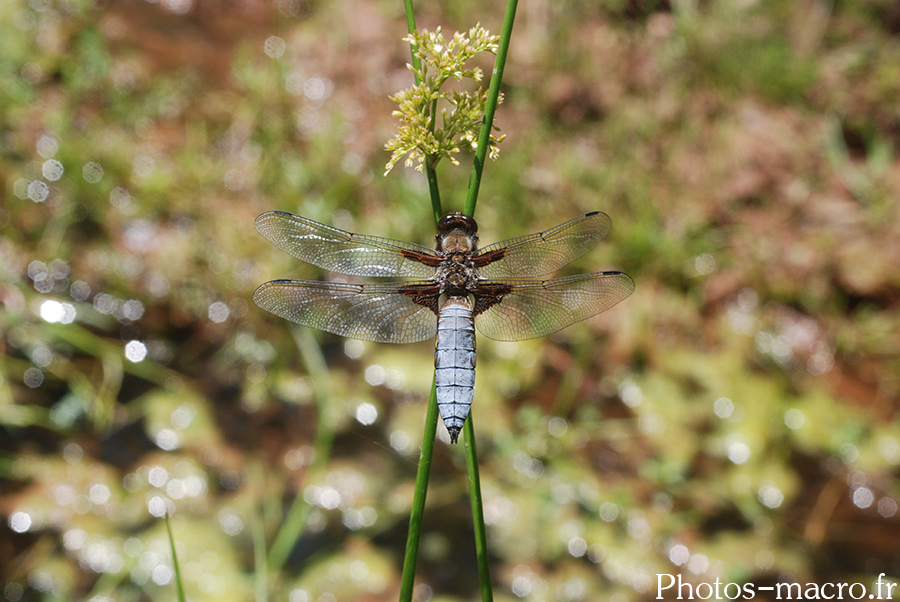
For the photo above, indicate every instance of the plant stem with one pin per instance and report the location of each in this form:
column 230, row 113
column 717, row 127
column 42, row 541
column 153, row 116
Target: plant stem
column 179, row 589
column 259, row 557
column 417, row 512
column 484, row 567
column 484, row 136
column 295, row 520
column 435, row 194
column 411, row 27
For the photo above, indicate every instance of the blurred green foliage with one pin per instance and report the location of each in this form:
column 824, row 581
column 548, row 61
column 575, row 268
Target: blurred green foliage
column 734, row 418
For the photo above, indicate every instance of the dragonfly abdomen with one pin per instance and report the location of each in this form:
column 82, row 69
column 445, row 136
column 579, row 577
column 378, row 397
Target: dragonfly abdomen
column 454, row 363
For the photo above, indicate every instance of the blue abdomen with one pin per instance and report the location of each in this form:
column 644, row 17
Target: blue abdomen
column 454, row 363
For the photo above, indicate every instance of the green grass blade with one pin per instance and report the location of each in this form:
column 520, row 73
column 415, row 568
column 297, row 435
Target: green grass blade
column 295, row 520
column 261, row 571
column 178, row 586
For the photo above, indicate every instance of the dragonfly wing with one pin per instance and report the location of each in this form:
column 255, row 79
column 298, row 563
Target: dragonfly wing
column 384, row 313
column 344, row 252
column 544, row 252
column 515, row 310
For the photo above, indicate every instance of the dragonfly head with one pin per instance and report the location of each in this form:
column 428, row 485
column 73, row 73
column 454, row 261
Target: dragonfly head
column 457, row 232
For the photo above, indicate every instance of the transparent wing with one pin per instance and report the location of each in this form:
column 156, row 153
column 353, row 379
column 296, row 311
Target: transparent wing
column 524, row 309
column 370, row 312
column 544, row 252
column 344, row 252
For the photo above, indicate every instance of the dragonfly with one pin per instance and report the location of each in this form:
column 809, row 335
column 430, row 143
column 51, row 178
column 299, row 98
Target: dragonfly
column 450, row 290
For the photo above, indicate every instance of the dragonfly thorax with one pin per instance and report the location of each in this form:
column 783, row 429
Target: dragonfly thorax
column 457, row 274
column 456, row 244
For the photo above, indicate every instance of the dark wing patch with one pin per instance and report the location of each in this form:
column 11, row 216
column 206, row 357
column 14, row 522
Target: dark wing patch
column 423, row 295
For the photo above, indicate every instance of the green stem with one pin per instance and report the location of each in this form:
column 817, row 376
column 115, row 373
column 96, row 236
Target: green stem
column 259, row 556
column 295, row 520
column 435, row 194
column 179, row 589
column 411, row 27
column 484, row 567
column 484, row 136
column 417, row 512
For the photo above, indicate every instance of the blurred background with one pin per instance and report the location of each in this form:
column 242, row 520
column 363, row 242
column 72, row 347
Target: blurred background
column 735, row 418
